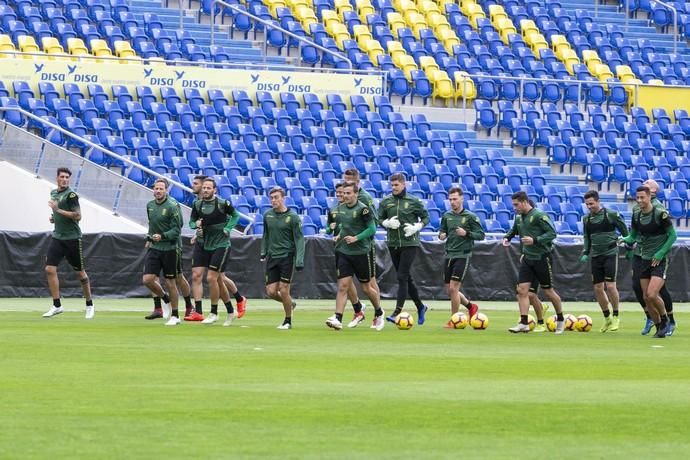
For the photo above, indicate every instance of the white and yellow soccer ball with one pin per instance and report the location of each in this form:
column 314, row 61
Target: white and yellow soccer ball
column 459, row 320
column 531, row 322
column 404, row 321
column 551, row 323
column 570, row 322
column 584, row 323
column 479, row 321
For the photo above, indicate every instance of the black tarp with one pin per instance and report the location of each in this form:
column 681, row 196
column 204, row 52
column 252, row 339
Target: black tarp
column 114, row 263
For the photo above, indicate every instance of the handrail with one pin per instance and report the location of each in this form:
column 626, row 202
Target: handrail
column 273, row 26
column 675, row 22
column 106, row 151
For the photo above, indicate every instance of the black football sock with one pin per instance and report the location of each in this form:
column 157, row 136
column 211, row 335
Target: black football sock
column 228, row 307
column 198, row 307
column 378, row 312
column 396, row 312
column 466, row 305
column 540, row 321
column 606, row 313
column 166, row 298
column 339, row 317
column 188, row 303
column 357, row 306
column 287, row 320
column 157, row 303
column 238, row 297
column 214, row 309
column 57, row 303
column 175, row 313
column 615, row 313
column 559, row 316
column 671, row 318
column 523, row 319
column 89, row 303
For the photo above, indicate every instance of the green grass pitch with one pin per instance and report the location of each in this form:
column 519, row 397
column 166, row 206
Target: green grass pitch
column 120, row 387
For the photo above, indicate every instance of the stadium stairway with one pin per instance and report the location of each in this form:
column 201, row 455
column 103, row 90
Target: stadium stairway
column 239, row 50
column 637, row 27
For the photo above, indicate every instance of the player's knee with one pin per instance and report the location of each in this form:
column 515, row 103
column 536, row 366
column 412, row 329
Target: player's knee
column 599, row 288
column 148, row 280
column 271, row 290
column 83, row 278
column 522, row 291
column 212, row 276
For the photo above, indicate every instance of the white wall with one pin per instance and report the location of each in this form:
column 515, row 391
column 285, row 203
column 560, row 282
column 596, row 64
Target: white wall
column 24, row 206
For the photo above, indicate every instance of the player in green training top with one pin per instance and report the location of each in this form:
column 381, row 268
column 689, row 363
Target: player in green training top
column 601, row 249
column 536, row 233
column 66, row 243
column 355, row 226
column 653, row 230
column 403, row 216
column 460, row 228
column 214, row 218
column 282, row 247
column 162, row 241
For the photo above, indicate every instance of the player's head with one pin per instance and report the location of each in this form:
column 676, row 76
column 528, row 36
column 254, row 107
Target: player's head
column 277, row 196
column 160, row 189
column 397, row 182
column 351, row 175
column 652, row 185
column 350, row 190
column 643, row 196
column 456, row 197
column 592, row 201
column 521, row 203
column 196, row 183
column 63, row 177
column 339, row 191
column 208, row 189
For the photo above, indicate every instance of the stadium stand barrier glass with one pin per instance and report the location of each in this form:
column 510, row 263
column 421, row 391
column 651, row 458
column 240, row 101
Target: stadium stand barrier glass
column 101, row 185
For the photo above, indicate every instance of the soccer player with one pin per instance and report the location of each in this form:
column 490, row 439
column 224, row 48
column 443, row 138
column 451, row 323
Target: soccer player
column 637, row 288
column 214, row 218
column 460, row 228
column 536, row 233
column 601, row 249
column 66, row 243
column 162, row 241
column 357, row 305
column 403, row 216
column 355, row 224
column 199, row 271
column 282, row 248
column 653, row 230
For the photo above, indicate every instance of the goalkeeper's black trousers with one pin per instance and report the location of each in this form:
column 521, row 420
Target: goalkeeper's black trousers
column 403, row 258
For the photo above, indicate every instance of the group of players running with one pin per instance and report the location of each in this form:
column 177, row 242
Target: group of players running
column 353, row 223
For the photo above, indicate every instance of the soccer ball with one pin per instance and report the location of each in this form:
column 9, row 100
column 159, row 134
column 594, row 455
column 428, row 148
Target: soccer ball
column 570, row 322
column 584, row 323
column 404, row 321
column 551, row 323
column 531, row 322
column 459, row 320
column 479, row 321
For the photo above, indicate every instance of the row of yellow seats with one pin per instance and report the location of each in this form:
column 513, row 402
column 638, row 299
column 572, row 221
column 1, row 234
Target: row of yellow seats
column 502, row 22
column 442, row 87
column 533, row 36
column 76, row 47
column 564, row 52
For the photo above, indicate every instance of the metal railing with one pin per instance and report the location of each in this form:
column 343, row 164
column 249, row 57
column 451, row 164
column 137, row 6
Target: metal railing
column 126, row 161
column 675, row 22
column 627, row 11
column 268, row 25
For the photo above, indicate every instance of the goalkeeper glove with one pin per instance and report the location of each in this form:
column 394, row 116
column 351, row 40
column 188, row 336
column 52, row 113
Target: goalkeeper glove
column 411, row 229
column 393, row 223
column 584, row 258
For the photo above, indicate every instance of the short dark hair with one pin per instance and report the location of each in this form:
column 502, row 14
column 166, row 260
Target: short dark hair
column 200, row 177
column 339, row 185
column 397, row 177
column 211, row 180
column 592, row 194
column 162, row 181
column 644, row 188
column 349, row 183
column 277, row 189
column 457, row 190
column 352, row 172
column 65, row 170
column 520, row 196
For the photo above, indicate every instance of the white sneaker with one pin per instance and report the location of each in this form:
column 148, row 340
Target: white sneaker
column 173, row 321
column 560, row 327
column 333, row 323
column 285, row 326
column 379, row 322
column 90, row 311
column 519, row 328
column 167, row 311
column 210, row 319
column 229, row 320
column 53, row 311
column 358, row 318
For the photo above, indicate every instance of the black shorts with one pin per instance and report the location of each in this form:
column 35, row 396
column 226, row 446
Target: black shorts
column 213, row 260
column 157, row 260
column 198, row 257
column 534, row 287
column 642, row 269
column 67, row 249
column 360, row 265
column 604, row 269
column 455, row 269
column 280, row 269
column 536, row 270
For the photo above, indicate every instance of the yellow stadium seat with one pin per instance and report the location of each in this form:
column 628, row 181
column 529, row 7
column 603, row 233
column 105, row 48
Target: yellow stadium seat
column 624, row 72
column 361, row 34
column 441, row 86
column 428, row 64
column 602, row 72
column 76, row 47
column 415, row 20
column 428, row 7
column 438, row 22
column 306, row 16
column 569, row 59
column 275, row 4
column 339, row 33
column 395, row 50
column 558, row 42
column 343, row 5
column 506, row 27
column 465, row 88
column 123, row 49
column 373, row 49
column 496, row 9
column 655, row 82
column 591, row 60
column 364, row 8
column 466, row 5
column 407, row 65
column 51, row 46
column 395, row 22
column 449, row 39
column 477, row 13
column 100, row 48
column 406, row 5
column 295, row 4
column 6, row 45
column 329, row 17
column 27, row 44
column 528, row 27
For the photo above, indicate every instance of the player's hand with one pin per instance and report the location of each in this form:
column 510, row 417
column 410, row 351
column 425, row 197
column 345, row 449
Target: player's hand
column 262, row 259
column 156, row 237
column 442, row 236
column 322, row 231
column 655, row 262
column 336, row 238
column 393, row 223
column 349, row 239
column 193, row 240
column 52, row 204
column 584, row 259
column 199, row 223
column 411, row 229
column 527, row 240
column 147, row 244
column 460, row 231
column 505, row 242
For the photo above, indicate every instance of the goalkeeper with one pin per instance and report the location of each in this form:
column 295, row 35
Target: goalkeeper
column 403, row 215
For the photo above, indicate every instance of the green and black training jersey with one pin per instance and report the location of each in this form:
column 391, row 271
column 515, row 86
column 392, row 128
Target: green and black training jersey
column 537, row 225
column 601, row 232
column 636, row 208
column 461, row 246
column 654, row 233
column 65, row 228
column 219, row 217
column 283, row 236
column 165, row 220
column 409, row 209
column 354, row 221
